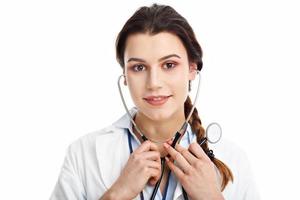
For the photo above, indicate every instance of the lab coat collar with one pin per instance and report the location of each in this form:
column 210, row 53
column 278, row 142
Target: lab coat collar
column 112, row 155
column 111, row 160
column 124, row 121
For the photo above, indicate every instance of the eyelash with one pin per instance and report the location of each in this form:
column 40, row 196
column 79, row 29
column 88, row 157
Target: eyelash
column 173, row 64
column 134, row 67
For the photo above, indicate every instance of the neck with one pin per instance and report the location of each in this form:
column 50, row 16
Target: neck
column 159, row 130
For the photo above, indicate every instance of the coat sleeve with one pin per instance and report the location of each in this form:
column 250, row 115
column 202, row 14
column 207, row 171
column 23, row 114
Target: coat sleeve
column 69, row 185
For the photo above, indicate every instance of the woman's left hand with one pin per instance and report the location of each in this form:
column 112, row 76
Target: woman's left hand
column 196, row 173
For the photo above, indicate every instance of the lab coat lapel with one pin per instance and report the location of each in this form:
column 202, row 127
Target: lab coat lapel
column 177, row 192
column 112, row 155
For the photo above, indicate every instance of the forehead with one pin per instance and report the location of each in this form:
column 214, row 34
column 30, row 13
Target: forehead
column 147, row 46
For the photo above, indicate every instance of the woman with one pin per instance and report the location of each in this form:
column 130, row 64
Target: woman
column 160, row 56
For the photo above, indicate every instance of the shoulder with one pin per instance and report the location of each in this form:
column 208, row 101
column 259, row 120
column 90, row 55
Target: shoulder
column 233, row 156
column 85, row 146
column 115, row 129
column 229, row 151
column 83, row 154
column 88, row 141
column 236, row 159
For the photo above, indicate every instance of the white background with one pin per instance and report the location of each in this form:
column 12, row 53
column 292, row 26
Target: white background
column 58, row 78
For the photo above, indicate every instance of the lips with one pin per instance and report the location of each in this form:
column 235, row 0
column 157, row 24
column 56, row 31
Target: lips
column 157, row 100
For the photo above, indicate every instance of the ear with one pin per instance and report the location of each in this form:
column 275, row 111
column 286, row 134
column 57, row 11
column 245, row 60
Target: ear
column 192, row 71
column 125, row 80
column 124, row 72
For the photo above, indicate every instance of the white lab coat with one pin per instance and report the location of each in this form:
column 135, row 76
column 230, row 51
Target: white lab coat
column 94, row 162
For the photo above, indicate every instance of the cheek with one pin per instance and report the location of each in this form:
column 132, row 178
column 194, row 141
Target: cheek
column 182, row 91
column 135, row 87
column 179, row 89
column 180, row 82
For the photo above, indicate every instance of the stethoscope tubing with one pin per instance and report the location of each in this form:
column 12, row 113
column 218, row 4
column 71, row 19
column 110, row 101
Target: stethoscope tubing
column 178, row 134
column 183, row 127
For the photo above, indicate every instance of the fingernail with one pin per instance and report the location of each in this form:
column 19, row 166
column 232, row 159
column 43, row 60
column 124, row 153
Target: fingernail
column 170, row 141
column 167, row 159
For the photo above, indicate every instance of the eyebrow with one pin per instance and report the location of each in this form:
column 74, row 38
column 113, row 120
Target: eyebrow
column 162, row 58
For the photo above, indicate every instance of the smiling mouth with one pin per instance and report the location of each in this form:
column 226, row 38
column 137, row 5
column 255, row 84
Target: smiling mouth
column 157, row 100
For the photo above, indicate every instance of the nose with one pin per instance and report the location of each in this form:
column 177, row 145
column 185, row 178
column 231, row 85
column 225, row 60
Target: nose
column 154, row 79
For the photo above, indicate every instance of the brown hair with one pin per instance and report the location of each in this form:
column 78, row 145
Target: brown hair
column 159, row 18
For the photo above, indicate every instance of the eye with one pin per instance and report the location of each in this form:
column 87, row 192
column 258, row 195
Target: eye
column 138, row 67
column 169, row 65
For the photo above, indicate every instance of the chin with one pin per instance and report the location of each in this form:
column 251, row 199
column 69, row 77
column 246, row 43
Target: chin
column 158, row 114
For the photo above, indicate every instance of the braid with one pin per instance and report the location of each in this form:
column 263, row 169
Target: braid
column 197, row 128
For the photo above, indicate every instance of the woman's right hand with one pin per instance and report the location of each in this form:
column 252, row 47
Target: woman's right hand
column 143, row 165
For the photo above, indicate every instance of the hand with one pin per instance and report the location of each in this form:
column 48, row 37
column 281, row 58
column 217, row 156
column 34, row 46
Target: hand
column 195, row 171
column 143, row 165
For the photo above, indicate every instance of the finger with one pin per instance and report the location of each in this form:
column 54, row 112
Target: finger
column 153, row 173
column 177, row 171
column 180, row 160
column 197, row 151
column 186, row 154
column 153, row 164
column 170, row 141
column 146, row 146
column 151, row 155
column 153, row 180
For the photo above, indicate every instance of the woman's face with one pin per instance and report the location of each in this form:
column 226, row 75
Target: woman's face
column 157, row 73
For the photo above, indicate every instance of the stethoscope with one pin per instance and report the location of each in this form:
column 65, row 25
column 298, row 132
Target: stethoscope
column 213, row 135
